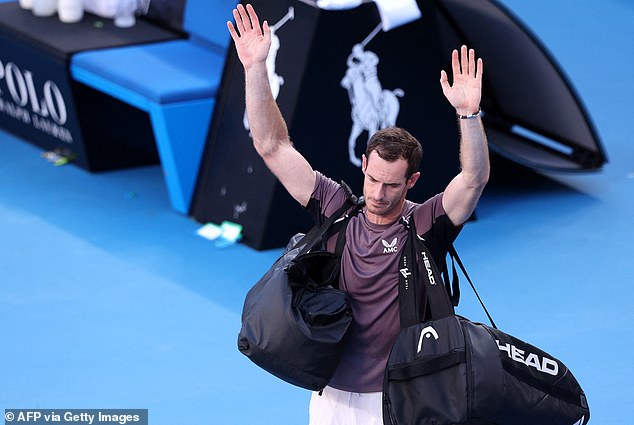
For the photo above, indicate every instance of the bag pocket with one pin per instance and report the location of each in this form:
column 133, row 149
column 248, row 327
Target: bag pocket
column 322, row 306
column 430, row 390
column 426, row 375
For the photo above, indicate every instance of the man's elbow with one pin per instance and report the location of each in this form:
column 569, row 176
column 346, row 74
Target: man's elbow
column 266, row 149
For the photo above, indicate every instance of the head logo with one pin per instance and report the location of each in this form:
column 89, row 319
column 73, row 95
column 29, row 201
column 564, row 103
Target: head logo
column 430, row 272
column 427, row 332
column 544, row 365
column 389, row 247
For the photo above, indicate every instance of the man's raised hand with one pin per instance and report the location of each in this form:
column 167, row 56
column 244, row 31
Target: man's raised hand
column 466, row 91
column 252, row 42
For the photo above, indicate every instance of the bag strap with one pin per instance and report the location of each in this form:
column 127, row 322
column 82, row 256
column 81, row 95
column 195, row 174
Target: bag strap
column 358, row 203
column 452, row 285
column 409, row 309
column 317, row 232
column 436, row 297
column 341, row 237
column 438, row 301
column 454, row 255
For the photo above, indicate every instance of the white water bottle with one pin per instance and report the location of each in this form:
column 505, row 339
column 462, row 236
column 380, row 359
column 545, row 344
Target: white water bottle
column 70, row 11
column 44, row 7
column 26, row 4
column 124, row 16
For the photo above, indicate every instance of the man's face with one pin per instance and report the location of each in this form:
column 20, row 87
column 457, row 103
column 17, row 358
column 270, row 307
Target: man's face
column 385, row 186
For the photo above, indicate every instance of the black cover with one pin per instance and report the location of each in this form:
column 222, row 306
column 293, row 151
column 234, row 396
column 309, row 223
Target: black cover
column 295, row 319
column 533, row 114
column 449, row 370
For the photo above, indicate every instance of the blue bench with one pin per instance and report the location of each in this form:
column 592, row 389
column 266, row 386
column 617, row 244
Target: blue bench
column 175, row 82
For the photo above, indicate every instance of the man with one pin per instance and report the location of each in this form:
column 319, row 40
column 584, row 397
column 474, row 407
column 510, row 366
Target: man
column 375, row 236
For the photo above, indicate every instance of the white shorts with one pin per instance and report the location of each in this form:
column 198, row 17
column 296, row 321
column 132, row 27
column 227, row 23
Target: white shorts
column 336, row 407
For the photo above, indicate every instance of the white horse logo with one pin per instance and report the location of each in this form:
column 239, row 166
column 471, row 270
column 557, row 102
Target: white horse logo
column 373, row 107
column 275, row 80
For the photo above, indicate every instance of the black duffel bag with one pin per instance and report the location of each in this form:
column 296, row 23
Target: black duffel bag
column 295, row 319
column 449, row 370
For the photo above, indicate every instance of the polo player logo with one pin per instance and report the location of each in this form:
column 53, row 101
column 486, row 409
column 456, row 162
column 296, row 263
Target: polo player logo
column 373, row 108
column 276, row 81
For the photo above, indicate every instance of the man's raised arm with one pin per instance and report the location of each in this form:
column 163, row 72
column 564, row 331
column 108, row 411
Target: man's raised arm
column 463, row 192
column 268, row 129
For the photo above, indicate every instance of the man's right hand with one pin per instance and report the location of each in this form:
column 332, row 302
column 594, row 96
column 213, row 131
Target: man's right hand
column 252, row 42
column 268, row 129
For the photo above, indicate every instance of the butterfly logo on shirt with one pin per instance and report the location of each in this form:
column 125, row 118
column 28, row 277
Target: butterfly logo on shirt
column 390, row 247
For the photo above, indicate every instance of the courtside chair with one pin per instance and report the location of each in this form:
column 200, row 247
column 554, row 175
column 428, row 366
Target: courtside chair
column 175, row 82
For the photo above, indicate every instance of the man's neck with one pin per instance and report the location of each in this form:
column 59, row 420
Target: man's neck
column 385, row 219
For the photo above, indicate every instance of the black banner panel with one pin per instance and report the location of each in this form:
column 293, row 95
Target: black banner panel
column 337, row 78
column 40, row 103
column 36, row 98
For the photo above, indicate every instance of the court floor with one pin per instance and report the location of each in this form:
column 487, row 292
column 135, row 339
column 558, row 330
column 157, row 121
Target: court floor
column 109, row 299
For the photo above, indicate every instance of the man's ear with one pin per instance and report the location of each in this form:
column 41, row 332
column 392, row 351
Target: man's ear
column 413, row 179
column 364, row 163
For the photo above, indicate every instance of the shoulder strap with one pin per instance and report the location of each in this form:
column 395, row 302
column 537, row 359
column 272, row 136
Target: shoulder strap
column 454, row 255
column 409, row 309
column 317, row 233
column 436, row 298
column 452, row 285
column 341, row 237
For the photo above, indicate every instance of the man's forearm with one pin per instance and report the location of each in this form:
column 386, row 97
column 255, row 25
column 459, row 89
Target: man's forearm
column 267, row 125
column 474, row 152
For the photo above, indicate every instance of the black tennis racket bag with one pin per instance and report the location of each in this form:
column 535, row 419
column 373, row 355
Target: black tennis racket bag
column 449, row 370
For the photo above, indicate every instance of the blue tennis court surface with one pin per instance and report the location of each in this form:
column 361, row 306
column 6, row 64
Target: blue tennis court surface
column 109, row 299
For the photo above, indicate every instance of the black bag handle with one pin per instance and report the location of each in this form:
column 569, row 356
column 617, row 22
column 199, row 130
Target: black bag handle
column 436, row 300
column 436, row 297
column 409, row 309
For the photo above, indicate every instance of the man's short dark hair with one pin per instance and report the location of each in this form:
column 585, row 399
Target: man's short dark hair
column 393, row 143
